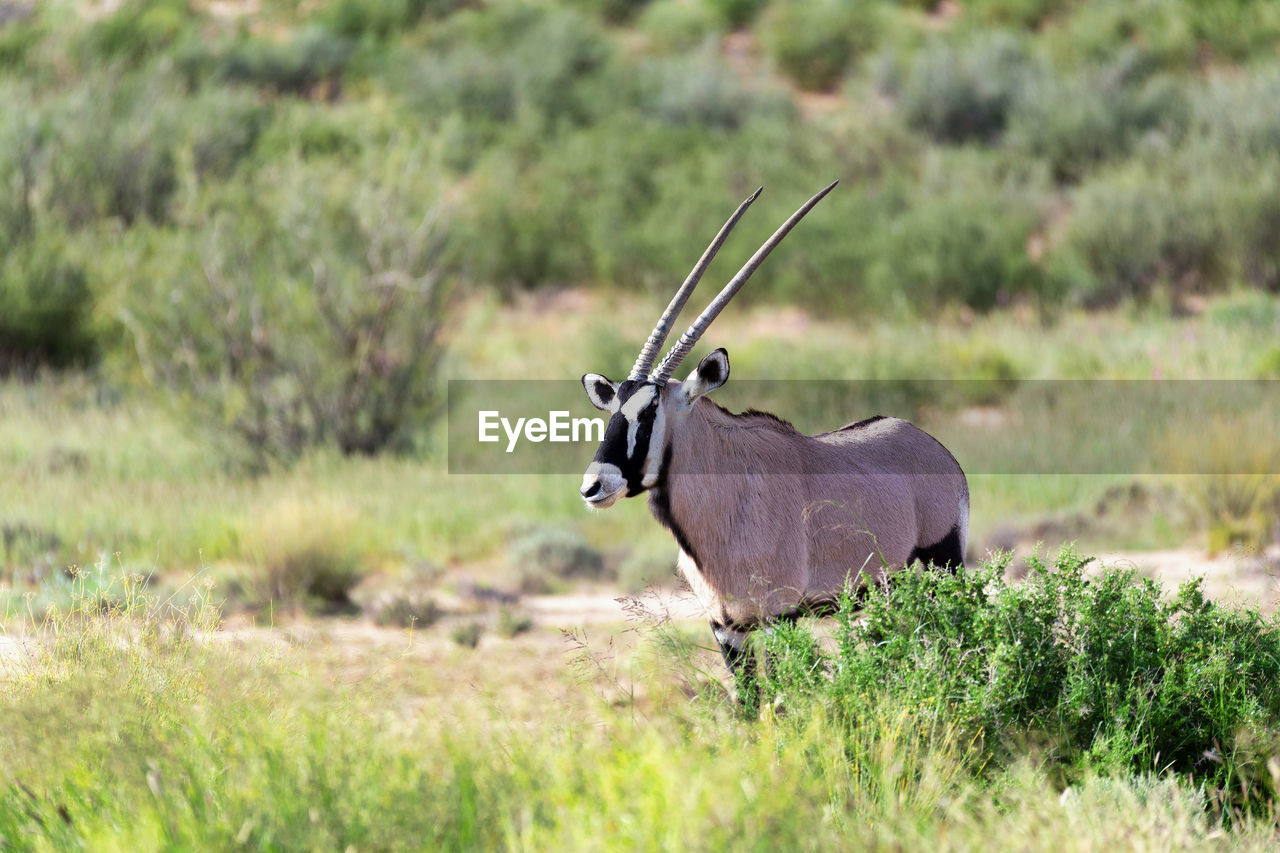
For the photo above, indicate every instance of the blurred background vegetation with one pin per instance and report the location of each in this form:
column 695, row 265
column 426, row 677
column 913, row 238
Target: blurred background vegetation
column 242, row 243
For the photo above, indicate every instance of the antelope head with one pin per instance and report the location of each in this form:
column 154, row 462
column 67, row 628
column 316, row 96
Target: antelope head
column 646, row 405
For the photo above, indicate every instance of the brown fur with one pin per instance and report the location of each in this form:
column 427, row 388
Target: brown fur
column 779, row 520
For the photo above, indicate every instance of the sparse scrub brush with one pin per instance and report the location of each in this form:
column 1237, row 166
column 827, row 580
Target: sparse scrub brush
column 546, row 556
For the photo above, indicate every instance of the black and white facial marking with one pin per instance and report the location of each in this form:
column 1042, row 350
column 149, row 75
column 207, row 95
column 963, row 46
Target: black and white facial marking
column 623, row 463
column 630, row 458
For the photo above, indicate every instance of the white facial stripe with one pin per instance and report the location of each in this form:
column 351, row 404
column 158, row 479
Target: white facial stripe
column 653, row 465
column 636, row 403
column 631, row 411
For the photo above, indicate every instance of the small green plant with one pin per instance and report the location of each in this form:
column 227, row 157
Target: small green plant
column 467, row 635
column 512, row 624
column 404, row 610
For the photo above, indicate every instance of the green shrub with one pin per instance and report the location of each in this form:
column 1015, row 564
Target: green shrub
column 140, row 29
column 1161, row 32
column 1076, row 122
column 1240, row 111
column 816, row 43
column 1143, row 226
column 109, row 149
column 512, row 624
column 962, row 237
column 310, row 64
column 302, row 552
column 613, row 11
column 382, row 19
column 545, row 556
column 673, row 25
column 21, row 28
column 736, row 13
column 46, row 308
column 308, row 315
column 231, row 125
column 965, row 93
column 467, row 635
column 1099, row 670
column 535, row 62
column 1016, row 13
column 701, row 89
column 404, row 610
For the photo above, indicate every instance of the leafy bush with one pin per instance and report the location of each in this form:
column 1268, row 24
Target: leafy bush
column 316, row 321
column 535, row 61
column 382, row 19
column 467, row 635
column 303, row 552
column 815, row 43
column 701, row 89
column 1230, row 474
column 961, row 238
column 1078, row 121
column 1160, row 32
column 137, row 31
column 1099, row 670
column 1241, row 112
column 107, row 149
column 512, row 624
column 21, row 27
column 310, row 64
column 673, row 25
column 1143, row 226
column 1019, row 13
column 404, row 610
column 736, row 13
column 547, row 555
column 46, row 308
column 967, row 93
column 613, row 11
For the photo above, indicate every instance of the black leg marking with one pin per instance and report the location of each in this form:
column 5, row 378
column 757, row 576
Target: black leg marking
column 945, row 553
column 741, row 662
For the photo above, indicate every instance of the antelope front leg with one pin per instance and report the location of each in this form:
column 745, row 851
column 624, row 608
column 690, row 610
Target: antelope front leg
column 739, row 659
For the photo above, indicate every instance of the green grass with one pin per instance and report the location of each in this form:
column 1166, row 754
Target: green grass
column 145, row 727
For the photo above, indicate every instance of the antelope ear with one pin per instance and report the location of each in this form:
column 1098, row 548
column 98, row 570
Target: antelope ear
column 712, row 372
column 600, row 391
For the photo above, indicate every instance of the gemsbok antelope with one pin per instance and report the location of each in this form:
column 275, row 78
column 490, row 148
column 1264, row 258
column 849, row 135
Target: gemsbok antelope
column 772, row 524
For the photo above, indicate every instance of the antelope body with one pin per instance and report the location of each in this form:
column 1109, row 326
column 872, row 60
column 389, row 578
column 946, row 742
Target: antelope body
column 771, row 523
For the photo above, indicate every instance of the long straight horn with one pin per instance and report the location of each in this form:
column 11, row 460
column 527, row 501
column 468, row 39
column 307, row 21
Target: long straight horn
column 644, row 362
column 690, row 337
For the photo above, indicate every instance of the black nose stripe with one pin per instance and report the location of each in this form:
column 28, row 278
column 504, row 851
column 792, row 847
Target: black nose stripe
column 593, row 491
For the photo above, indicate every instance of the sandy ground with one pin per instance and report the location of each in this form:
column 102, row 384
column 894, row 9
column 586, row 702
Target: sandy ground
column 1238, row 578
